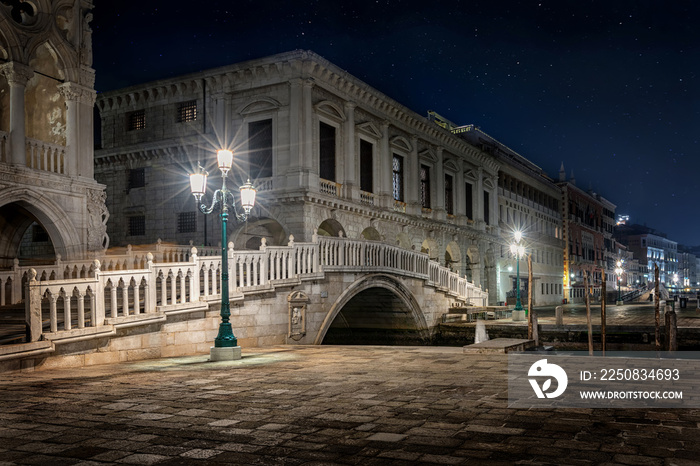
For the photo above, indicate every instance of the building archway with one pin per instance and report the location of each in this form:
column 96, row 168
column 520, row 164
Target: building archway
column 370, row 233
column 453, row 257
column 330, row 227
column 19, row 210
column 376, row 309
column 430, row 247
column 249, row 235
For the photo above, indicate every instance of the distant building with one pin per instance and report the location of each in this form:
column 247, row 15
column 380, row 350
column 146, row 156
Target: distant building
column 528, row 201
column 589, row 249
column 652, row 248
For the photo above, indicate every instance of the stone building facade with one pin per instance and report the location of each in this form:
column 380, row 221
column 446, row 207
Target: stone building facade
column 48, row 195
column 588, row 222
column 652, row 248
column 528, row 202
column 326, row 152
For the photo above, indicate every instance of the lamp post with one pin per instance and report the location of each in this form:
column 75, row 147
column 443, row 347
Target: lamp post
column 225, row 345
column 518, row 250
column 618, row 272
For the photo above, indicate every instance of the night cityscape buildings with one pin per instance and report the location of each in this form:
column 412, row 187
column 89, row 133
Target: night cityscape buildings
column 329, row 155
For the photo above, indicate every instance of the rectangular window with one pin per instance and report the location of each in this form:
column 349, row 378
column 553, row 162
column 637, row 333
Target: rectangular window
column 39, row 235
column 486, row 207
column 260, row 149
column 366, row 166
column 449, row 204
column 397, row 177
column 137, row 178
column 187, row 111
column 136, row 120
column 327, row 152
column 137, row 226
column 468, row 201
column 425, row 186
column 187, row 222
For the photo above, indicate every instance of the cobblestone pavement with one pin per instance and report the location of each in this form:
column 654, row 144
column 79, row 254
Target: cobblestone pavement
column 319, row 405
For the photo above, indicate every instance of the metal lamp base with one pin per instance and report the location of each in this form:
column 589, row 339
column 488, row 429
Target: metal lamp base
column 225, row 354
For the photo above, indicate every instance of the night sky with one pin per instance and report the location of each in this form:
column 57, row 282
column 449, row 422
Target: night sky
column 608, row 87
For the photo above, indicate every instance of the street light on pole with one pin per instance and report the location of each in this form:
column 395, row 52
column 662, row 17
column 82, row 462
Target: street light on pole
column 618, row 272
column 518, row 250
column 225, row 345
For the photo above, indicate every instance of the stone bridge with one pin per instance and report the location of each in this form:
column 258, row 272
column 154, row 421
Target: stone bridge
column 139, row 305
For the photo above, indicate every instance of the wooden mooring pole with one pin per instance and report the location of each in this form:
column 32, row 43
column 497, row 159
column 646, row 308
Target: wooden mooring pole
column 657, row 314
column 588, row 314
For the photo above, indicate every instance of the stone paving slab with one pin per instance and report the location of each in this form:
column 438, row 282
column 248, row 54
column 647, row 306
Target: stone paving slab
column 318, row 405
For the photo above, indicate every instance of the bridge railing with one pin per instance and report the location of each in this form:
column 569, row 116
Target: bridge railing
column 343, row 254
column 126, row 296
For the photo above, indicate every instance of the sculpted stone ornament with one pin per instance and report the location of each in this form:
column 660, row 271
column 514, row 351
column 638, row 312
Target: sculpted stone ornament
column 298, row 300
column 97, row 218
column 86, row 41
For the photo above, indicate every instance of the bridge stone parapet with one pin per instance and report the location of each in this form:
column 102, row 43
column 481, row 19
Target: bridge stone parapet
column 283, row 294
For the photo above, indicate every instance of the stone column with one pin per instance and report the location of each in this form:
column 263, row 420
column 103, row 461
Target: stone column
column 351, row 182
column 309, row 162
column 479, row 210
column 80, row 101
column 17, row 75
column 493, row 208
column 439, row 186
column 460, row 195
column 295, row 137
column 413, row 205
column 385, row 179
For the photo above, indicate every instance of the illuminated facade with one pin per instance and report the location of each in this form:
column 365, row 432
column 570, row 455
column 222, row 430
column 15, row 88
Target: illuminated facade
column 528, row 202
column 652, row 248
column 50, row 204
column 589, row 247
column 327, row 153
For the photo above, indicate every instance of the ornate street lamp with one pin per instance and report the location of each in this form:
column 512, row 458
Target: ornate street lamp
column 618, row 272
column 225, row 344
column 518, row 250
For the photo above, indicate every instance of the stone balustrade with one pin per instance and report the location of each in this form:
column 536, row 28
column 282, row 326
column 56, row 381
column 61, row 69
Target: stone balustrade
column 91, row 297
column 46, row 156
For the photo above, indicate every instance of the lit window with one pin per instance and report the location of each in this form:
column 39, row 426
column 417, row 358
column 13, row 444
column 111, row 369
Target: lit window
column 136, row 120
column 187, row 111
column 397, row 177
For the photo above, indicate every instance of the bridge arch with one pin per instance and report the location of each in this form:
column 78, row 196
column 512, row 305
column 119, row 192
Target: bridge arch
column 388, row 287
column 20, row 208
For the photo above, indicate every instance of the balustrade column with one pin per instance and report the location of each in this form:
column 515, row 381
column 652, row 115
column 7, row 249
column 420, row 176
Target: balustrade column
column 113, row 303
column 17, row 75
column 173, row 288
column 81, row 309
column 146, row 298
column 125, row 299
column 137, row 299
column 183, row 290
column 163, row 290
column 53, row 315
